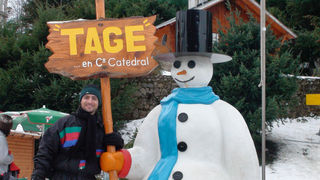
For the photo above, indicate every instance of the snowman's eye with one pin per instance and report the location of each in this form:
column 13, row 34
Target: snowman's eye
column 191, row 64
column 177, row 64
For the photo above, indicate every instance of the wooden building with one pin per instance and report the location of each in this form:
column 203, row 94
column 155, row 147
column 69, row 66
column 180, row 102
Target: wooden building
column 22, row 147
column 166, row 31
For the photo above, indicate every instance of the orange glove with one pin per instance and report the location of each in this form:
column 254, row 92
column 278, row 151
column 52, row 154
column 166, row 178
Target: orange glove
column 111, row 161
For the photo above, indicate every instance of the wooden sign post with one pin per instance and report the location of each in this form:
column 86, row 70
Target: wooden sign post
column 102, row 48
column 106, row 95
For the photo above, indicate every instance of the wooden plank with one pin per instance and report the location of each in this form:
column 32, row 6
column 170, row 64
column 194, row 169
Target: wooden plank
column 27, row 142
column 20, row 138
column 166, row 40
column 247, row 5
column 313, row 99
column 26, row 148
column 219, row 14
column 22, row 150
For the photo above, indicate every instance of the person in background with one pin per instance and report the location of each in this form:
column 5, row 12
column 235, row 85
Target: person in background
column 5, row 157
column 71, row 148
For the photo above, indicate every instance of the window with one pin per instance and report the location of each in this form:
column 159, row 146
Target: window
column 215, row 38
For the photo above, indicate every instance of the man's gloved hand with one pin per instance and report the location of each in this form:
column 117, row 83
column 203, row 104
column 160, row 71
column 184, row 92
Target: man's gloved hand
column 111, row 161
column 113, row 139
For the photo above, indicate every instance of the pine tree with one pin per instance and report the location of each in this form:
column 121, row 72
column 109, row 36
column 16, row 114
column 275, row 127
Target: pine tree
column 26, row 83
column 237, row 81
column 303, row 18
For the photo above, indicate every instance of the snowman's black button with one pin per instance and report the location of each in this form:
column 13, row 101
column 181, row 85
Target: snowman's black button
column 182, row 146
column 183, row 117
column 177, row 175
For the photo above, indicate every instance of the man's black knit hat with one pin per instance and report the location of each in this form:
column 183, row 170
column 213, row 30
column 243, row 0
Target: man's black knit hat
column 91, row 89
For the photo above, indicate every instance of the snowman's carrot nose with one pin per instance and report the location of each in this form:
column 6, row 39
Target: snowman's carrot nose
column 182, row 72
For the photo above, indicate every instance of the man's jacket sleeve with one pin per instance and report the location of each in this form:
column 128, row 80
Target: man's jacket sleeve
column 48, row 150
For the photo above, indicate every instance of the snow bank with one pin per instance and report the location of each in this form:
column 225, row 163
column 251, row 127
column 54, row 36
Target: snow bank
column 299, row 156
column 129, row 130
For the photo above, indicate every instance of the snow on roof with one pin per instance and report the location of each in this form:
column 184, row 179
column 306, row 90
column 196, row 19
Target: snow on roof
column 61, row 22
column 21, row 133
column 309, row 78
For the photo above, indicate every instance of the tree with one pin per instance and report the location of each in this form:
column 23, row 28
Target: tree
column 237, row 81
column 26, row 84
column 9, row 51
column 303, row 17
column 85, row 9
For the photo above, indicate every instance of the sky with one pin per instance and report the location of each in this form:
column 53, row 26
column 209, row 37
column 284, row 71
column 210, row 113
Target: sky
column 16, row 7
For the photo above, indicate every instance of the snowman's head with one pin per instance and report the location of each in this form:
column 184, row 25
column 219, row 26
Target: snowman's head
column 192, row 71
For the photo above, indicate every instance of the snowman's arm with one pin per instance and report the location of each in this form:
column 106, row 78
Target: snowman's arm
column 240, row 154
column 146, row 150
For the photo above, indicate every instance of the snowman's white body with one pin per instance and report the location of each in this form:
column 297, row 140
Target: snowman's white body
column 219, row 145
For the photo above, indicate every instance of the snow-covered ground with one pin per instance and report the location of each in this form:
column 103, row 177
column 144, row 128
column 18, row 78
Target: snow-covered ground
column 130, row 128
column 299, row 154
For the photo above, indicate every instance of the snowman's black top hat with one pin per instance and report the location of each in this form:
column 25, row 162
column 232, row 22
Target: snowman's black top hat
column 194, row 37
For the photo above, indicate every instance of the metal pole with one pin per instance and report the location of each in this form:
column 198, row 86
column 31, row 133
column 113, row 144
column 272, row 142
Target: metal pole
column 263, row 81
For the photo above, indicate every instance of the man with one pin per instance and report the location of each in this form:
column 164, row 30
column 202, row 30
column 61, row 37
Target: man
column 5, row 157
column 71, row 148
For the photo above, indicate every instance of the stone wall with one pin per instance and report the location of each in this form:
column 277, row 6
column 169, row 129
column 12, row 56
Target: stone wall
column 150, row 90
column 299, row 108
column 154, row 87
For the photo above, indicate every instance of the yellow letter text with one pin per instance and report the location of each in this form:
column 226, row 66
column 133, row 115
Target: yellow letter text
column 72, row 33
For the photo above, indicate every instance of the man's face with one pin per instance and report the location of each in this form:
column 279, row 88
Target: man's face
column 89, row 103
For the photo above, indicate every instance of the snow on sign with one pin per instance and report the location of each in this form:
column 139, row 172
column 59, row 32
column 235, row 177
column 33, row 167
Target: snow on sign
column 116, row 48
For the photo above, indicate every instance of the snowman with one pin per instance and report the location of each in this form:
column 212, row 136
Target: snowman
column 192, row 134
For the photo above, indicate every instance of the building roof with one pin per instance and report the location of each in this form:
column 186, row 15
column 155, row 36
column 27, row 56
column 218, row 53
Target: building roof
column 25, row 134
column 251, row 4
column 19, row 132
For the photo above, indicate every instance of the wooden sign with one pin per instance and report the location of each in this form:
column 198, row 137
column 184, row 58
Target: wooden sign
column 115, row 48
column 313, row 99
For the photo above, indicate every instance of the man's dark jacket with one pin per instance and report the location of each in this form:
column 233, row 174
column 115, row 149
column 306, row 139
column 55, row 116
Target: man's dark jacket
column 64, row 148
